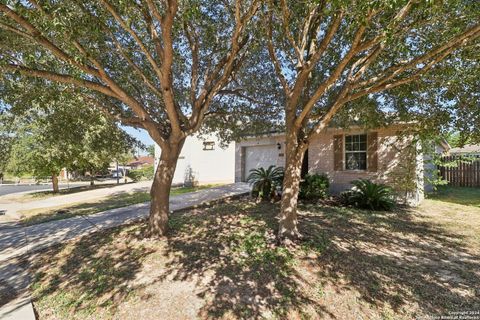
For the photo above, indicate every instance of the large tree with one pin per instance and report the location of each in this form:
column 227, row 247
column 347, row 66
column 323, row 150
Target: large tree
column 50, row 136
column 331, row 54
column 153, row 64
column 102, row 142
column 6, row 141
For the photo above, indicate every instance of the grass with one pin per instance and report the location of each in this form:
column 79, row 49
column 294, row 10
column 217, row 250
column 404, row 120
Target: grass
column 458, row 195
column 182, row 190
column 47, row 194
column 223, row 263
column 119, row 200
column 35, row 216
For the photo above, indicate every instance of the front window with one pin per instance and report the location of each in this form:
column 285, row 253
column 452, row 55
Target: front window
column 208, row 145
column 356, row 152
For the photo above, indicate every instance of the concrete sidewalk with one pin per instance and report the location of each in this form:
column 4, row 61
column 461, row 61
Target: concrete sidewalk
column 17, row 245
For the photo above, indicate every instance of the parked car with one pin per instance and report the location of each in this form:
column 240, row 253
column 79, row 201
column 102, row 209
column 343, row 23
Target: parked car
column 117, row 174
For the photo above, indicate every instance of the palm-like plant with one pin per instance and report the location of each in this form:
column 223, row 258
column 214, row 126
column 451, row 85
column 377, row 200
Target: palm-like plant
column 264, row 181
column 370, row 195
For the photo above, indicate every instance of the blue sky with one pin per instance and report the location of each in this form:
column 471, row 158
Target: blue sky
column 140, row 134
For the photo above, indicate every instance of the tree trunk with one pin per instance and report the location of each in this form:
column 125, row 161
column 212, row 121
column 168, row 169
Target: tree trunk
column 291, row 185
column 92, row 179
column 55, row 183
column 160, row 191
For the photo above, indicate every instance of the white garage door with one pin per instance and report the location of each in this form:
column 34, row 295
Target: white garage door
column 260, row 156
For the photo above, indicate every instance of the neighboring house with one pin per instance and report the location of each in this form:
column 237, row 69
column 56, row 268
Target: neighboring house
column 383, row 155
column 203, row 161
column 466, row 172
column 467, row 150
column 140, row 162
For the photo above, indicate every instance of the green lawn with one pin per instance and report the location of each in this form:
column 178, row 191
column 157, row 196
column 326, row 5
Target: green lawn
column 112, row 202
column 40, row 195
column 223, row 263
column 47, row 194
column 459, row 195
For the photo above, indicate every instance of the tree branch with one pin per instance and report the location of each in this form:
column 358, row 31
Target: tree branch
column 326, row 85
column 311, row 63
column 44, row 42
column 117, row 116
column 307, row 27
column 14, row 30
column 344, row 98
column 224, row 69
column 173, row 111
column 134, row 35
column 287, row 31
column 390, row 85
column 193, row 42
column 62, row 78
column 393, row 71
column 151, row 27
column 273, row 56
column 121, row 50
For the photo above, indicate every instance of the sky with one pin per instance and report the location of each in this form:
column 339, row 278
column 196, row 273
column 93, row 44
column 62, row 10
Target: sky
column 140, row 134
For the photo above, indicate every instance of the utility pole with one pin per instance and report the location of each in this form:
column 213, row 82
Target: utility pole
column 118, row 176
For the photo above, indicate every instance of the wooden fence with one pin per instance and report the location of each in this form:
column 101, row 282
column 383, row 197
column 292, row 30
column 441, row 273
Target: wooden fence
column 465, row 174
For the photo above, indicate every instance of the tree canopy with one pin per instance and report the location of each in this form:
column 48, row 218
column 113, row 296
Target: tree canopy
column 172, row 66
column 157, row 65
column 397, row 60
column 59, row 134
column 150, row 64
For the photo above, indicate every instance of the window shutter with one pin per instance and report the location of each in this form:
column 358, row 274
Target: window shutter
column 338, row 152
column 372, row 151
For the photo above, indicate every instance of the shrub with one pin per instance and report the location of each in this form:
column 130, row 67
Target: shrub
column 369, row 195
column 145, row 173
column 265, row 181
column 314, row 186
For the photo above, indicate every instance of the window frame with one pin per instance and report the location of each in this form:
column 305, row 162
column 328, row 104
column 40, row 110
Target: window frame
column 208, row 145
column 357, row 151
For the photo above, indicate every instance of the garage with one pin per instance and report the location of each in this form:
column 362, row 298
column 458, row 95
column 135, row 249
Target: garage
column 260, row 156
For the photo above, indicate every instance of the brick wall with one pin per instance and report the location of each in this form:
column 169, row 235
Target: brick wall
column 321, row 158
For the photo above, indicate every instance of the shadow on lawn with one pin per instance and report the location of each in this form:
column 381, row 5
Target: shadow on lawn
column 234, row 248
column 393, row 258
column 94, row 271
column 389, row 258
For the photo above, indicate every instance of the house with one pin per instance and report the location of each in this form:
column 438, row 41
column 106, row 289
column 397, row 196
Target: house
column 462, row 167
column 203, row 160
column 385, row 155
column 466, row 150
column 141, row 161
